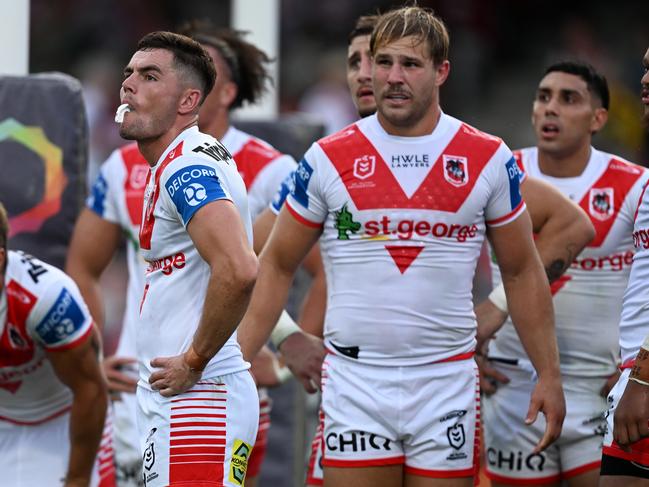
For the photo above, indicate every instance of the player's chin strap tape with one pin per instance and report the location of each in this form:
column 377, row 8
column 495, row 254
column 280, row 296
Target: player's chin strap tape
column 498, row 298
column 283, row 329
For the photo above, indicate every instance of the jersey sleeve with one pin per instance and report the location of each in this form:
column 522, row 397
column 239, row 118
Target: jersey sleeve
column 505, row 202
column 264, row 189
column 188, row 184
column 282, row 192
column 103, row 195
column 306, row 200
column 518, row 157
column 60, row 320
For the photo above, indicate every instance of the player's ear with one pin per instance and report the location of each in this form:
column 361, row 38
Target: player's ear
column 189, row 101
column 600, row 116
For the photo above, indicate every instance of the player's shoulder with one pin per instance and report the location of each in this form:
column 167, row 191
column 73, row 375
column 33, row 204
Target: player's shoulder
column 196, row 149
column 347, row 135
column 251, row 145
column 619, row 164
column 472, row 134
column 34, row 274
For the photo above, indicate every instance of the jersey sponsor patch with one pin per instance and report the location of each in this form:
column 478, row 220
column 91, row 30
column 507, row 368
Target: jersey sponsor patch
column 514, row 175
column 192, row 187
column 301, row 180
column 97, row 198
column 62, row 321
column 287, row 187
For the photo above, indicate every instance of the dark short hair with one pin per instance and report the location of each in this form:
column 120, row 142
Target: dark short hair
column 363, row 27
column 245, row 61
column 596, row 82
column 4, row 227
column 420, row 23
column 189, row 56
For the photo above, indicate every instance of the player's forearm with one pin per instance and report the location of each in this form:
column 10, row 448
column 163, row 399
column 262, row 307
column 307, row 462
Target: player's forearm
column 87, row 418
column 266, row 305
column 561, row 239
column 228, row 295
column 314, row 306
column 531, row 310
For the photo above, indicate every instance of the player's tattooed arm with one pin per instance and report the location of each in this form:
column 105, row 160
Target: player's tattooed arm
column 640, row 368
column 558, row 266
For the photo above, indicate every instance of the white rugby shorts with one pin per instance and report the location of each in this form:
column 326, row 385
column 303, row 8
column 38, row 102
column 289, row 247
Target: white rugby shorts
column 202, row 437
column 423, row 417
column 509, row 442
column 32, row 455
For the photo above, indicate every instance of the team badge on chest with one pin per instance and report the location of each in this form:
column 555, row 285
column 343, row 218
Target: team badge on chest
column 364, row 166
column 456, row 170
column 600, row 203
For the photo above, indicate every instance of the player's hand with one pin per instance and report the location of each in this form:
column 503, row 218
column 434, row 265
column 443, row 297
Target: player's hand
column 118, row 380
column 547, row 397
column 303, row 354
column 631, row 420
column 174, row 376
column 264, row 368
column 490, row 377
column 490, row 319
column 610, row 382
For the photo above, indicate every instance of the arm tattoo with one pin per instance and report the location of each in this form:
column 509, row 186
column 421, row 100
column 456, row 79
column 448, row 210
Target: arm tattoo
column 560, row 265
column 640, row 364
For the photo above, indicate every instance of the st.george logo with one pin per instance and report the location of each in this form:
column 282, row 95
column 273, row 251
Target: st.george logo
column 456, row 170
column 194, row 193
column 600, row 203
column 364, row 166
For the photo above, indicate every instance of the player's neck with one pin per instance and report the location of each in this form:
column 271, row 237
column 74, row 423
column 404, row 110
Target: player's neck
column 152, row 149
column 425, row 126
column 216, row 126
column 564, row 165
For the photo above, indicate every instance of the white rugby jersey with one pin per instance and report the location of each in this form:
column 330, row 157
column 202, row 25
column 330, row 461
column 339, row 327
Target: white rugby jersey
column 588, row 297
column 262, row 167
column 40, row 310
column 403, row 221
column 194, row 170
column 117, row 197
column 634, row 324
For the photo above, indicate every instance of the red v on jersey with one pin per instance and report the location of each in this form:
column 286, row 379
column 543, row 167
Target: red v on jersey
column 146, row 229
column 16, row 347
column 404, row 255
column 603, row 201
column 137, row 170
column 373, row 186
column 252, row 158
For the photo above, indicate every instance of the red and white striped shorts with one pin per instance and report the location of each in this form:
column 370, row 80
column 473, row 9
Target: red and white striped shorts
column 203, row 437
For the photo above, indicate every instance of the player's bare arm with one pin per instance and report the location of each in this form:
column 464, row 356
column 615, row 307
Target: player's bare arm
column 233, row 271
column 630, row 421
column 94, row 243
column 79, row 369
column 562, row 229
column 530, row 305
column 288, row 244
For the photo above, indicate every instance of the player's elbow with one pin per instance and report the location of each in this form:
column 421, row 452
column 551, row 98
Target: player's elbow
column 244, row 272
column 583, row 228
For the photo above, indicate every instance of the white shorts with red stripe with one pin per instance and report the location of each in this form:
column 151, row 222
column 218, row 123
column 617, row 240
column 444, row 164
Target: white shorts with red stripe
column 202, row 437
column 509, row 442
column 32, row 455
column 261, row 442
column 423, row 417
column 315, row 473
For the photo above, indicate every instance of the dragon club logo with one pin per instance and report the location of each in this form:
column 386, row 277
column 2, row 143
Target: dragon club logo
column 600, row 203
column 456, row 170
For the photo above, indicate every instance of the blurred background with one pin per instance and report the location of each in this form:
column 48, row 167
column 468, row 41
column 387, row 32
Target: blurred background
column 499, row 49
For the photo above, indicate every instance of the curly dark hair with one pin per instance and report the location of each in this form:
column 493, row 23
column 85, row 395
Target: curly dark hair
column 245, row 61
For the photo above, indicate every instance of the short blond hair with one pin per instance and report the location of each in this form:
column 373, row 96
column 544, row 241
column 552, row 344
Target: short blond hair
column 420, row 23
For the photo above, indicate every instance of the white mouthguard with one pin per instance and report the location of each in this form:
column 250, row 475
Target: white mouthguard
column 121, row 111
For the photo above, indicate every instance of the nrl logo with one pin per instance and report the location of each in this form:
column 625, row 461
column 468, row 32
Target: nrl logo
column 364, row 166
column 456, row 170
column 600, row 203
